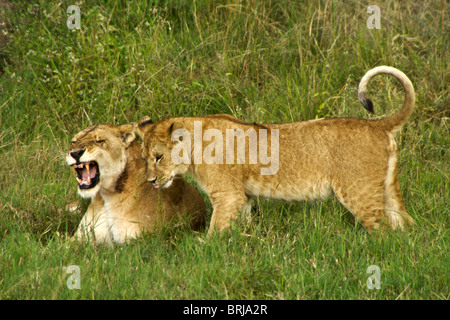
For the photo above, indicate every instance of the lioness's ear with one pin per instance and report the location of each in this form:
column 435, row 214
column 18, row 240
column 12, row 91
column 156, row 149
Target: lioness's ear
column 143, row 126
column 127, row 133
column 128, row 138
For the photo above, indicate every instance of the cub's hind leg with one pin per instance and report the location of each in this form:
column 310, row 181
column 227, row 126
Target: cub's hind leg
column 395, row 210
column 365, row 201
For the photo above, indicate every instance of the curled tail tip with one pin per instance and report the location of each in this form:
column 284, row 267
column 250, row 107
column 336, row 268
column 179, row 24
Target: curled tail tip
column 394, row 122
column 366, row 102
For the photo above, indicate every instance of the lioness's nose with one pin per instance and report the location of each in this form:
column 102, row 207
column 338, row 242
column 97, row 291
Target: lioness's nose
column 77, row 154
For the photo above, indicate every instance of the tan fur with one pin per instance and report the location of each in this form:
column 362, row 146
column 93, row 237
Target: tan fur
column 123, row 203
column 355, row 159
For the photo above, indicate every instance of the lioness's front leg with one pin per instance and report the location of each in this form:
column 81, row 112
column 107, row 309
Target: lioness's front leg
column 226, row 207
column 93, row 226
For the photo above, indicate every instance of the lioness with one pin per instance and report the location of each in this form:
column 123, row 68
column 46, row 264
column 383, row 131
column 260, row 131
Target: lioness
column 355, row 159
column 109, row 169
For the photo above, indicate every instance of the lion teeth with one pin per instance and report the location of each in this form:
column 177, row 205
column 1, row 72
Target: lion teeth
column 76, row 175
column 88, row 174
column 83, row 177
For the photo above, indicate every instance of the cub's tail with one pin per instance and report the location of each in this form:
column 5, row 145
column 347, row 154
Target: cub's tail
column 394, row 122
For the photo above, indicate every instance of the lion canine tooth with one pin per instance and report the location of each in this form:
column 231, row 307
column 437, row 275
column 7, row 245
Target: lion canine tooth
column 79, row 180
column 88, row 174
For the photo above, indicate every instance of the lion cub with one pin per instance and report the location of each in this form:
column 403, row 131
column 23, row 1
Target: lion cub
column 109, row 169
column 355, row 159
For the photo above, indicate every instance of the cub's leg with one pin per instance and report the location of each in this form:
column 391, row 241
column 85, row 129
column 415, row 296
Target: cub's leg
column 226, row 207
column 365, row 200
column 395, row 210
column 247, row 209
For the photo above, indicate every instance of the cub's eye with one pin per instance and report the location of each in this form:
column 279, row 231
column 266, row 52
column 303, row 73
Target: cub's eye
column 100, row 141
column 159, row 157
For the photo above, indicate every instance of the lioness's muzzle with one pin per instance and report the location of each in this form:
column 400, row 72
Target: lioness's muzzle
column 87, row 173
column 77, row 154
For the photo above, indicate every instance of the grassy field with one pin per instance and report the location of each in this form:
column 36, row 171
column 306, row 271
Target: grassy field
column 263, row 61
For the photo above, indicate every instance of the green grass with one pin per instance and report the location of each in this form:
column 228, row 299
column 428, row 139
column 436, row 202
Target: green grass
column 263, row 61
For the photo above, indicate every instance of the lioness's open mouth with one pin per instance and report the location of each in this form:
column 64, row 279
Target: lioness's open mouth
column 88, row 174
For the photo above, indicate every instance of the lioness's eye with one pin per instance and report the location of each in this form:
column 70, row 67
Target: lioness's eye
column 100, row 141
column 159, row 157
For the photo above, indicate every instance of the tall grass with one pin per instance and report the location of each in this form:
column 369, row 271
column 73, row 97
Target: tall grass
column 263, row 61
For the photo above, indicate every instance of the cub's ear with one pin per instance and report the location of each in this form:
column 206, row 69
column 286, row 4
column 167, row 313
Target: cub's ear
column 127, row 134
column 143, row 126
column 176, row 125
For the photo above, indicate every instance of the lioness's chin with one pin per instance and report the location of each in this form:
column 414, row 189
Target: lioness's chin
column 88, row 193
